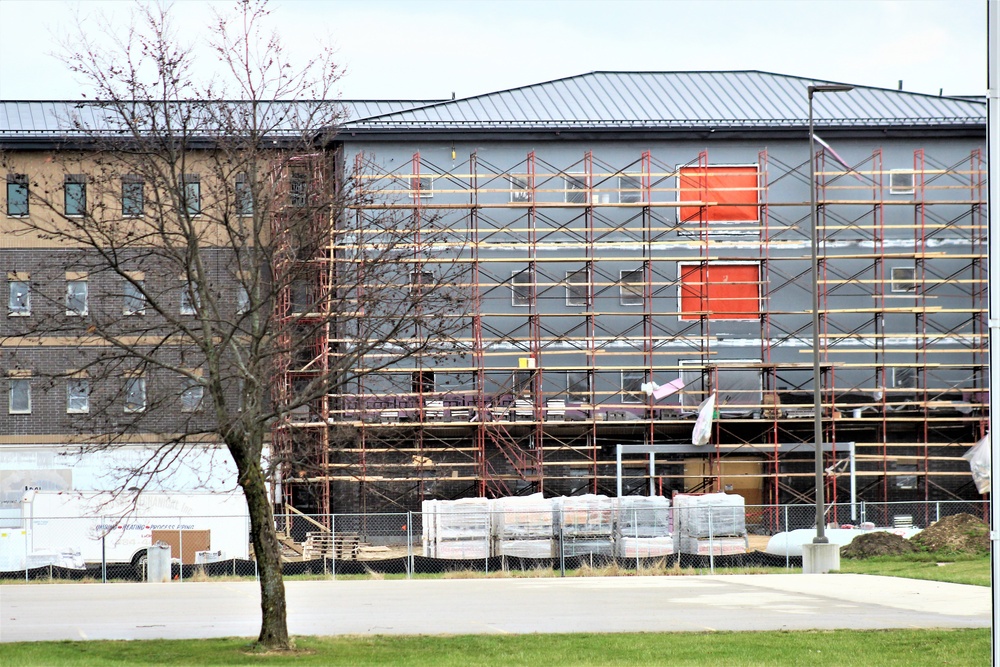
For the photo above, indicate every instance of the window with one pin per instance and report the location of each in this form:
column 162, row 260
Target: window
column 298, row 189
column 190, row 301
column 75, row 194
column 422, row 382
column 420, row 278
column 630, row 190
column 630, row 287
column 730, row 191
column 737, row 384
column 632, row 386
column 904, row 377
column 522, row 382
column 133, row 196
column 135, row 394
column 577, row 287
column 76, row 295
column 191, row 194
column 421, row 187
column 906, row 476
column 578, row 385
column 192, row 395
column 77, row 395
column 901, row 182
column 519, row 190
column 244, row 196
column 576, row 188
column 133, row 299
column 521, row 287
column 17, row 195
column 20, row 396
column 19, row 297
column 242, row 299
column 904, row 279
column 720, row 291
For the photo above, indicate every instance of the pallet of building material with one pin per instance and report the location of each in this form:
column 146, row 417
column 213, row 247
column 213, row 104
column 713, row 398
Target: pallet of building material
column 582, row 547
column 717, row 546
column 710, row 514
column 643, row 516
column 463, row 549
column 523, row 518
column 526, row 548
column 585, row 516
column 465, row 522
column 645, row 547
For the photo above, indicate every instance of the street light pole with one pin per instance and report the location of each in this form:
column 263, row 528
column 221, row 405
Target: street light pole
column 814, row 242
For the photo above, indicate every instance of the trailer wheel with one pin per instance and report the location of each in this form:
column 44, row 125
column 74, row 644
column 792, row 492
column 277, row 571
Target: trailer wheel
column 139, row 563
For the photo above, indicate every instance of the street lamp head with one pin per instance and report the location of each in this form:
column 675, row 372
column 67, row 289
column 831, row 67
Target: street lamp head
column 829, row 88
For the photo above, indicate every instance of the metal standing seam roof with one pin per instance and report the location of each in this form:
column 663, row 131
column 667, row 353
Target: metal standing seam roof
column 59, row 118
column 679, row 99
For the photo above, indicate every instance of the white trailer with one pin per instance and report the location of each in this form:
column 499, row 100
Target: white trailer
column 199, row 527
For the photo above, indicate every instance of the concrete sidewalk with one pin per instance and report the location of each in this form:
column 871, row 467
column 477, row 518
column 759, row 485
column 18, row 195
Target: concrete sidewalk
column 481, row 606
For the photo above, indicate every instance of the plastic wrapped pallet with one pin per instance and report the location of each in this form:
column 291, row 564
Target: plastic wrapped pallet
column 527, row 548
column 527, row 517
column 584, row 546
column 717, row 546
column 643, row 516
column 709, row 515
column 585, row 516
column 645, row 547
column 457, row 528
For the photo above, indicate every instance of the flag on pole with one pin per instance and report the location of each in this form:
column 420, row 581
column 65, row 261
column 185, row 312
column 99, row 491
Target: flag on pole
column 703, row 426
column 837, row 157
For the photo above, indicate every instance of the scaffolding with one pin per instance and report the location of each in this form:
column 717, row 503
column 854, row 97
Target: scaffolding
column 589, row 282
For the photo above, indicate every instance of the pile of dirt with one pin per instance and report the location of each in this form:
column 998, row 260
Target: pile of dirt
column 878, row 543
column 958, row 534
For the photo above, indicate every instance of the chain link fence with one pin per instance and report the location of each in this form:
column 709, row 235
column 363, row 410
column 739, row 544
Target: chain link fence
column 633, row 534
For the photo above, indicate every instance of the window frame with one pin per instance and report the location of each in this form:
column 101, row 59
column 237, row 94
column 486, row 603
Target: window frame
column 628, row 297
column 70, row 295
column 911, row 282
column 189, row 301
column 520, row 193
column 716, row 226
column 574, row 394
column 14, row 310
column 633, row 396
column 135, row 386
column 574, row 300
column 78, row 396
column 79, row 202
column 704, row 297
column 18, row 181
column 570, row 179
column 134, row 203
column 137, row 297
column 422, row 382
column 243, row 196
column 13, row 383
column 191, row 194
column 526, row 300
column 417, row 284
column 627, row 192
column 905, row 189
column 192, row 387
column 417, row 189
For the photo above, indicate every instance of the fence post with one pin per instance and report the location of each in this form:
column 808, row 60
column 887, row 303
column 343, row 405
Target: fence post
column 711, row 543
column 409, row 544
column 788, row 559
column 635, row 522
column 937, row 511
column 104, row 558
column 333, row 540
column 180, row 564
column 562, row 551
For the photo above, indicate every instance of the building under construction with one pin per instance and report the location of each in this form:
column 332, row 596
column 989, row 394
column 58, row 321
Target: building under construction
column 631, row 244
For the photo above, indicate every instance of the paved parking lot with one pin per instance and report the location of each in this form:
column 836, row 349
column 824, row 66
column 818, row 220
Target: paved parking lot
column 479, row 606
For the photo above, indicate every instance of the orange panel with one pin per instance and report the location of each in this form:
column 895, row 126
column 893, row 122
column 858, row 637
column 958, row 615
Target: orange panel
column 734, row 189
column 726, row 291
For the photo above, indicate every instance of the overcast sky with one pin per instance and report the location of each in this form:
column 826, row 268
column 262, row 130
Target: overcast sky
column 431, row 48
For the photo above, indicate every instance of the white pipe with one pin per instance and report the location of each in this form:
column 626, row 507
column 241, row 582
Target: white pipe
column 993, row 203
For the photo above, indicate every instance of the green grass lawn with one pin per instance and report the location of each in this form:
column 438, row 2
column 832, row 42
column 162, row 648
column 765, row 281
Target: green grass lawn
column 835, row 648
column 965, row 570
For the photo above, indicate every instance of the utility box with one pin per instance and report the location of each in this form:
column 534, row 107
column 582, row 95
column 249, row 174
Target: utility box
column 158, row 563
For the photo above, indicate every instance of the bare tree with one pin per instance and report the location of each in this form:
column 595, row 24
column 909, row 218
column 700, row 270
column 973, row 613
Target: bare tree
column 217, row 279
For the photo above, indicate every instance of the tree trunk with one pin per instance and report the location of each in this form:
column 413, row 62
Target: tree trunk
column 274, row 623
